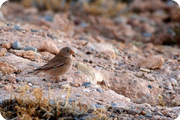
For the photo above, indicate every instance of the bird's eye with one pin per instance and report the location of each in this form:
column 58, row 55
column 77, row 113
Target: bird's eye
column 67, row 50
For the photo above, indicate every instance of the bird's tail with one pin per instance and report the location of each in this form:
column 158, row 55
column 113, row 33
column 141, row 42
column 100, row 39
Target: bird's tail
column 34, row 71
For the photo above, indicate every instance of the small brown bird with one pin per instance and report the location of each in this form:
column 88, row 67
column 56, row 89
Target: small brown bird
column 58, row 65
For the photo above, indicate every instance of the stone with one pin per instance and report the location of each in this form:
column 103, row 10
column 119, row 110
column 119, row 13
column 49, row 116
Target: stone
column 3, row 51
column 178, row 77
column 173, row 82
column 94, row 75
column 11, row 78
column 17, row 27
column 99, row 90
column 32, row 55
column 30, row 48
column 86, row 84
column 16, row 45
column 49, row 47
column 151, row 62
column 2, row 17
column 106, row 49
column 6, row 45
column 176, row 100
column 101, row 107
column 135, row 88
column 6, row 68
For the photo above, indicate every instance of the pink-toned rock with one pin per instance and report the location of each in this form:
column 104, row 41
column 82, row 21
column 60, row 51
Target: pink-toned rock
column 94, row 75
column 6, row 45
column 62, row 23
column 151, row 62
column 3, row 51
column 132, row 87
column 18, row 52
column 49, row 47
column 32, row 55
column 106, row 49
column 176, row 100
column 11, row 78
column 6, row 68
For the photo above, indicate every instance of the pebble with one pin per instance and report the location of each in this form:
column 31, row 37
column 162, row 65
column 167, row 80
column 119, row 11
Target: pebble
column 32, row 30
column 100, row 107
column 48, row 17
column 30, row 48
column 173, row 82
column 30, row 84
column 16, row 45
column 149, row 86
column 85, row 60
column 3, row 51
column 6, row 45
column 17, row 27
column 78, row 95
column 71, row 100
column 86, row 84
column 35, row 86
column 1, row 86
column 18, row 80
column 99, row 90
column 148, row 115
column 145, row 70
column 146, row 34
column 92, row 108
column 178, row 77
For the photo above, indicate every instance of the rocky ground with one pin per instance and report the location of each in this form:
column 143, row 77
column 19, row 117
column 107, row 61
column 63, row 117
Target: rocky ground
column 122, row 65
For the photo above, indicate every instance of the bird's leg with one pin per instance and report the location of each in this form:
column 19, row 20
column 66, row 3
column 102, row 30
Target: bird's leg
column 59, row 78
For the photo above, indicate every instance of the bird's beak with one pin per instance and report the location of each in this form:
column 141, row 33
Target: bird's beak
column 72, row 52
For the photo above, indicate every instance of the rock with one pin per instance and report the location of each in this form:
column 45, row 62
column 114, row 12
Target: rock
column 16, row 45
column 178, row 77
column 120, row 20
column 17, row 27
column 145, row 70
column 6, row 45
column 31, row 10
column 32, row 55
column 86, row 84
column 99, row 90
column 2, row 51
column 94, row 75
column 18, row 80
column 100, row 107
column 49, row 47
column 30, row 84
column 106, row 49
column 2, row 17
column 18, row 52
column 11, row 78
column 6, row 68
column 62, row 23
column 149, row 77
column 30, row 48
column 137, row 89
column 151, row 62
column 176, row 100
column 173, row 82
column 148, row 115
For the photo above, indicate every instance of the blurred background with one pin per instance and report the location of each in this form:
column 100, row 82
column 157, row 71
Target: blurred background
column 137, row 21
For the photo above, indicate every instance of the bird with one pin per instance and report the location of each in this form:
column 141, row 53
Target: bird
column 58, row 65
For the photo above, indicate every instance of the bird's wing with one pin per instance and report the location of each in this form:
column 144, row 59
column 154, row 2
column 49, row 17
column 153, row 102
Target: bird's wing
column 57, row 61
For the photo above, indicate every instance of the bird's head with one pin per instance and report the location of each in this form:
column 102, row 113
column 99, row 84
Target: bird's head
column 66, row 52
